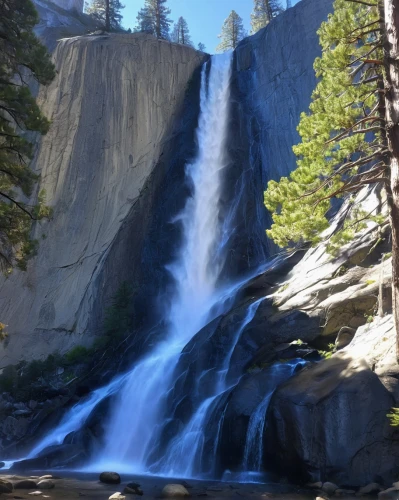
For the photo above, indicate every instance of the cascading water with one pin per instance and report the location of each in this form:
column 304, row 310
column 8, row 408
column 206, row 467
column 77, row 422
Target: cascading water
column 253, row 452
column 139, row 408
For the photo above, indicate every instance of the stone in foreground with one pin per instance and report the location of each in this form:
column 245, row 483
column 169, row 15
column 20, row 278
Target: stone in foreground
column 175, row 490
column 46, row 484
column 5, row 486
column 110, row 477
column 117, row 496
column 25, row 484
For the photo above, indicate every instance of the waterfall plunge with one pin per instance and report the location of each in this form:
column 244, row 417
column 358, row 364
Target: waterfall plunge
column 139, row 408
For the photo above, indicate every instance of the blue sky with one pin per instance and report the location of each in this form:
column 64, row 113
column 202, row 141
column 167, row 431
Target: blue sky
column 204, row 17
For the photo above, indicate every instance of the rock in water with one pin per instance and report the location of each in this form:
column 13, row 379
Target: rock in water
column 110, row 477
column 133, row 491
column 25, row 484
column 35, row 493
column 45, row 484
column 370, row 488
column 5, row 486
column 389, row 494
column 174, row 490
column 117, row 496
column 329, row 488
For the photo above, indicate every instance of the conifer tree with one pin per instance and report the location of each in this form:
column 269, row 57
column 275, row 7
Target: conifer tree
column 181, row 32
column 107, row 12
column 232, row 32
column 263, row 12
column 153, row 18
column 21, row 53
column 350, row 137
column 201, row 47
column 144, row 22
column 289, row 4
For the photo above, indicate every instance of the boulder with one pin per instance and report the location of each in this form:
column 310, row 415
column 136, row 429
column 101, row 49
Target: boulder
column 133, row 489
column 329, row 488
column 389, row 494
column 5, row 486
column 110, row 477
column 370, row 488
column 45, row 484
column 25, row 484
column 117, row 496
column 324, row 423
column 344, row 337
column 174, row 491
column 35, row 493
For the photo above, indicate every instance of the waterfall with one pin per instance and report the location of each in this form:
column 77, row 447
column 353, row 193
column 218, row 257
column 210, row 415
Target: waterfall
column 139, row 409
column 253, row 453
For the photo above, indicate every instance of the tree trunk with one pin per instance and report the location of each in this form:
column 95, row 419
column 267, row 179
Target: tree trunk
column 107, row 15
column 391, row 58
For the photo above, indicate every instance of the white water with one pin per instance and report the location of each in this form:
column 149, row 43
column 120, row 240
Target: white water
column 253, row 453
column 139, row 409
column 184, row 452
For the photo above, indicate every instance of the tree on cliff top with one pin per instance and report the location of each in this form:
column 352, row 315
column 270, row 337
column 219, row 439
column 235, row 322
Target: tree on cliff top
column 107, row 12
column 181, row 33
column 350, row 137
column 153, row 18
column 21, row 56
column 232, row 32
column 263, row 12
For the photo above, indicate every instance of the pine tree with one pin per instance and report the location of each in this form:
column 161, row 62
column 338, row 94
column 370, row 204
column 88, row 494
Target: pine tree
column 153, row 18
column 144, row 22
column 263, row 12
column 20, row 53
column 350, row 137
column 181, row 32
column 107, row 12
column 201, row 47
column 232, row 32
column 289, row 4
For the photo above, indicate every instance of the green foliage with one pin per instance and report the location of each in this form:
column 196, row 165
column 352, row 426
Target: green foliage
column 232, row 32
column 370, row 282
column 201, row 47
column 118, row 318
column 334, row 155
column 97, row 10
column 263, row 12
column 181, row 33
column 21, row 55
column 153, row 19
column 328, row 353
column 394, row 417
column 77, row 354
column 297, row 342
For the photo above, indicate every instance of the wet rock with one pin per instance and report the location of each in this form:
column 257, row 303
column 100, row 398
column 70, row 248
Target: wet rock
column 25, row 484
column 5, row 486
column 46, row 484
column 389, row 494
column 317, row 485
column 13, row 427
column 370, row 488
column 46, row 476
column 133, row 491
column 329, row 488
column 110, row 478
column 2, row 464
column 32, row 404
column 35, row 493
column 174, row 490
column 117, row 496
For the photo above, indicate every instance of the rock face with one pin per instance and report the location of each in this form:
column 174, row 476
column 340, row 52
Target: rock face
column 330, row 421
column 114, row 106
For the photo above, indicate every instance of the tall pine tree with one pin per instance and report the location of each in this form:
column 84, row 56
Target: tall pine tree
column 144, row 22
column 232, row 32
column 21, row 53
column 263, row 12
column 350, row 137
column 181, row 32
column 153, row 18
column 107, row 12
